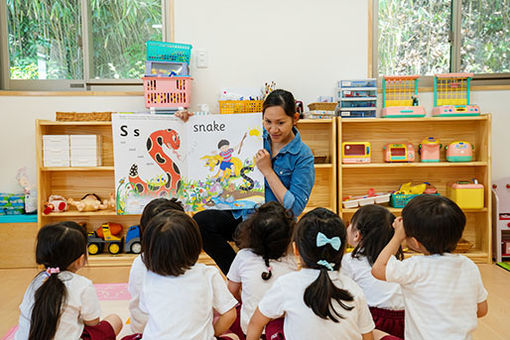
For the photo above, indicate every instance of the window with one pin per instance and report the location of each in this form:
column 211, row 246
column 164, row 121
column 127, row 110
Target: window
column 425, row 37
column 63, row 44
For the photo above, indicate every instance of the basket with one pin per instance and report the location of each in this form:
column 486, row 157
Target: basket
column 463, row 246
column 240, row 106
column 168, row 51
column 400, row 200
column 167, row 91
column 83, row 116
column 322, row 106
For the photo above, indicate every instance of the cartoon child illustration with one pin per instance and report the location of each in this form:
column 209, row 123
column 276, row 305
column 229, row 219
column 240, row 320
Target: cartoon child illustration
column 225, row 151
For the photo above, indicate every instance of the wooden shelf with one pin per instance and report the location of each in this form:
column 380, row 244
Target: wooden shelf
column 55, row 123
column 74, row 213
column 416, row 120
column 357, row 179
column 96, row 168
column 323, row 166
column 316, row 121
column 415, row 165
column 399, row 210
column 121, row 260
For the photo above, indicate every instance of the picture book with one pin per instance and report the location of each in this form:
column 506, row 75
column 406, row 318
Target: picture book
column 206, row 162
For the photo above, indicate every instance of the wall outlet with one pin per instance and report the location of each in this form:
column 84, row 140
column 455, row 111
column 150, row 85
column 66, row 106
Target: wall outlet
column 202, row 59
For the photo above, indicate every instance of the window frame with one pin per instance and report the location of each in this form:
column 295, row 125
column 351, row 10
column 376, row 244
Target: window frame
column 87, row 83
column 479, row 79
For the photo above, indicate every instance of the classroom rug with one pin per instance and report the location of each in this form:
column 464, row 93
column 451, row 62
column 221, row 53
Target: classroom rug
column 113, row 297
column 504, row 265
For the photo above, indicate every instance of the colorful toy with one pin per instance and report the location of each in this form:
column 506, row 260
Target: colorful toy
column 371, row 197
column 452, row 95
column 133, row 243
column 12, row 204
column 400, row 97
column 399, row 153
column 467, row 195
column 459, row 151
column 92, row 202
column 407, row 192
column 356, row 152
column 430, row 150
column 29, row 189
column 56, row 203
column 106, row 234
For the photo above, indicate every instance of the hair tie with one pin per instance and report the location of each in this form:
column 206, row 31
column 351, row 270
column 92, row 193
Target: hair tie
column 51, row 271
column 326, row 264
column 269, row 269
column 322, row 240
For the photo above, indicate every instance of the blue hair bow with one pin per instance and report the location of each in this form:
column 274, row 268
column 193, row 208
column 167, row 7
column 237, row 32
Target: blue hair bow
column 326, row 264
column 322, row 240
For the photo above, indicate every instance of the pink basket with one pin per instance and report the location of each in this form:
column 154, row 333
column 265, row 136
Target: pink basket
column 167, row 91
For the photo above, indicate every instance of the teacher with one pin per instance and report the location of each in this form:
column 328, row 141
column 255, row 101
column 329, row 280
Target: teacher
column 287, row 165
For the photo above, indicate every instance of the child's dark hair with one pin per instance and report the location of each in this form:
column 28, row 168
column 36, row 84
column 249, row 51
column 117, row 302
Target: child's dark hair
column 58, row 246
column 223, row 142
column 171, row 244
column 156, row 206
column 281, row 98
column 375, row 224
column 267, row 233
column 434, row 221
column 326, row 257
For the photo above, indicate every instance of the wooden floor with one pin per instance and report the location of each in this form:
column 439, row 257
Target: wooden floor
column 494, row 326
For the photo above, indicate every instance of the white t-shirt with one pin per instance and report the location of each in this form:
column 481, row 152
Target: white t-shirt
column 81, row 304
column 136, row 277
column 285, row 297
column 380, row 294
column 441, row 293
column 181, row 307
column 247, row 269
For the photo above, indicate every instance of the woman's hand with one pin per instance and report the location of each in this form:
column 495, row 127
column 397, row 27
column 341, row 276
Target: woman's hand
column 263, row 161
column 184, row 115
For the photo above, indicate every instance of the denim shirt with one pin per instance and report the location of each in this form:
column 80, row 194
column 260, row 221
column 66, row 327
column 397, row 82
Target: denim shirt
column 294, row 167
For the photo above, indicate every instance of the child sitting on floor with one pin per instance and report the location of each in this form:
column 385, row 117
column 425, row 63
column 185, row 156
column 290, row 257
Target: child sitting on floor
column 60, row 304
column 369, row 232
column 264, row 239
column 318, row 302
column 443, row 292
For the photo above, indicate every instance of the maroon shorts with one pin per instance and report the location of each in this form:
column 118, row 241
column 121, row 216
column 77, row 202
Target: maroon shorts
column 389, row 321
column 274, row 330
column 101, row 331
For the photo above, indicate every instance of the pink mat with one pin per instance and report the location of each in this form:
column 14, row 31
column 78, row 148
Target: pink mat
column 105, row 292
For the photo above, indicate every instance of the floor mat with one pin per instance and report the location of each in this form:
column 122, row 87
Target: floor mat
column 114, row 299
column 504, row 265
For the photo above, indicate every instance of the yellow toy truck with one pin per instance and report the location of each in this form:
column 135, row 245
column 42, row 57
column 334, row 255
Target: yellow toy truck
column 107, row 234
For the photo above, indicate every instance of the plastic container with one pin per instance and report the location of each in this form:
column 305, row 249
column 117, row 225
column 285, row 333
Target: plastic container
column 358, row 103
column 467, row 195
column 372, row 82
column 358, row 113
column 400, row 200
column 166, row 69
column 240, row 106
column 168, row 51
column 167, row 91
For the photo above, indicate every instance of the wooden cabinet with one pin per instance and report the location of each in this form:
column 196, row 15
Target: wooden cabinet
column 320, row 136
column 357, row 179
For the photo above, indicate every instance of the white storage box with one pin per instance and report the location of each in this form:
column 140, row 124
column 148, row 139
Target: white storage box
column 85, row 150
column 56, row 150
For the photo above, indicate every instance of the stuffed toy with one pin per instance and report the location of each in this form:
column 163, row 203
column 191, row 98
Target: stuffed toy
column 92, row 202
column 56, row 203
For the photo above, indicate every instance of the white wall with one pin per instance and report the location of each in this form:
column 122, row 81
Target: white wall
column 305, row 46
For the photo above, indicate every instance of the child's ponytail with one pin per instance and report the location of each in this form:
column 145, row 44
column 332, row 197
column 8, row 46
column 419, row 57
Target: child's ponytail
column 267, row 233
column 49, row 299
column 320, row 238
column 58, row 246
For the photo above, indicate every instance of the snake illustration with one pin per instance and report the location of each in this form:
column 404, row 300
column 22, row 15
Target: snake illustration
column 155, row 141
column 250, row 181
